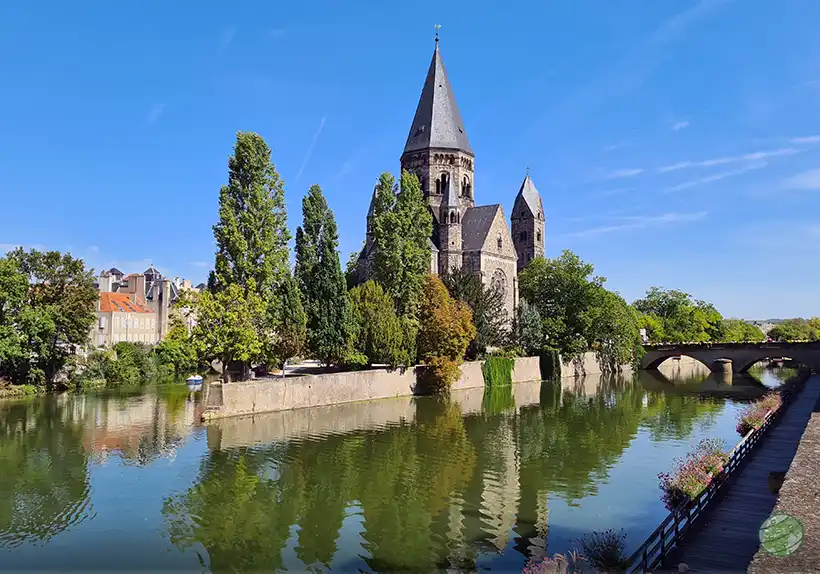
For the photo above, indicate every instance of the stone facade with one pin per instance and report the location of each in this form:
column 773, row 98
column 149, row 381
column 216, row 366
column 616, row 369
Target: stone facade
column 477, row 238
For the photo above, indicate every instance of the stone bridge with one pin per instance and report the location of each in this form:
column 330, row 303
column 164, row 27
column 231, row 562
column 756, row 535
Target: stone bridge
column 717, row 356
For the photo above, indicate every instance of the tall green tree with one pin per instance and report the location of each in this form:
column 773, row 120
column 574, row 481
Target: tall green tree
column 487, row 305
column 379, row 335
column 739, row 330
column 402, row 226
column 227, row 327
column 252, row 234
column 55, row 316
column 292, row 324
column 13, row 292
column 527, row 329
column 321, row 280
column 577, row 312
column 673, row 316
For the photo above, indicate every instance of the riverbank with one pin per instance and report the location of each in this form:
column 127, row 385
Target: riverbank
column 799, row 497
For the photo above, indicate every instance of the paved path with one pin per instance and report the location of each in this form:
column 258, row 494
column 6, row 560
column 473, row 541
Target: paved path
column 726, row 538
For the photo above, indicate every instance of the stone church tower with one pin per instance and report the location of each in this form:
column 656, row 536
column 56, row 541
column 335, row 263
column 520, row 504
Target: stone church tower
column 528, row 224
column 475, row 237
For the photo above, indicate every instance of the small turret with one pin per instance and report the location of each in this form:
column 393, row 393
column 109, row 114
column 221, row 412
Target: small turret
column 528, row 223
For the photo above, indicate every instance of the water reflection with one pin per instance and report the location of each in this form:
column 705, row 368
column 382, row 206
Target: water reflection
column 482, row 481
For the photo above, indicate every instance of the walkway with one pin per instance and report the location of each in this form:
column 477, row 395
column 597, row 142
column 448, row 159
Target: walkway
column 726, row 538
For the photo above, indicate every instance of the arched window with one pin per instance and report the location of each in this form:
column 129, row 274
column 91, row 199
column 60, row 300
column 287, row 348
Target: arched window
column 500, row 242
column 452, row 217
column 466, row 188
column 538, row 236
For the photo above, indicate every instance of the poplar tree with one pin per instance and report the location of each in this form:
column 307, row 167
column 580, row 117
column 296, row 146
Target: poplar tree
column 252, row 234
column 321, row 280
column 289, row 340
column 402, row 226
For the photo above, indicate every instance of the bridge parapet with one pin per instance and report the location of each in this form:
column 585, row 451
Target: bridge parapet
column 742, row 355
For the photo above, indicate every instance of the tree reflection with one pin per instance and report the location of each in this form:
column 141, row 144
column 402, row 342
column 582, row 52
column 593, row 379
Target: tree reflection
column 425, row 494
column 43, row 471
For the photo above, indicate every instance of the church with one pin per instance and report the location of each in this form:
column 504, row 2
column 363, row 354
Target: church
column 475, row 237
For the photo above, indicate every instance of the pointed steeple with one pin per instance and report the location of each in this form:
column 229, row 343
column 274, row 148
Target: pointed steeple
column 437, row 123
column 531, row 198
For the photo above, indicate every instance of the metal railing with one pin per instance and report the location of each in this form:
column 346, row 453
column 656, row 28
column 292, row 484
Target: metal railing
column 652, row 553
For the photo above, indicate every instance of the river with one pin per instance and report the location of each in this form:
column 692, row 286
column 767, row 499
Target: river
column 130, row 480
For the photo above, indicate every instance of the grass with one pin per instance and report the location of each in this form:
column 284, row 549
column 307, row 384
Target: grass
column 497, row 371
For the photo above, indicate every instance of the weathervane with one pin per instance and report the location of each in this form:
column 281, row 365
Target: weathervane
column 437, row 27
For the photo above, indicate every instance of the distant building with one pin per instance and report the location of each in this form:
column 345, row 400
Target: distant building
column 136, row 307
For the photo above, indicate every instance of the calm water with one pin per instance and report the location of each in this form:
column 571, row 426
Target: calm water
column 120, row 481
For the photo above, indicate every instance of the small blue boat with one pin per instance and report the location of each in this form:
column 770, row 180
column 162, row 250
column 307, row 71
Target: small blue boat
column 194, row 382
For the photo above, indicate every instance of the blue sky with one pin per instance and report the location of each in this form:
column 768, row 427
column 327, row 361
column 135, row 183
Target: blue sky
column 675, row 143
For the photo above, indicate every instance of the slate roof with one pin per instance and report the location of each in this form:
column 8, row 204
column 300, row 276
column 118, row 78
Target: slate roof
column 451, row 194
column 475, row 225
column 115, row 271
column 530, row 196
column 437, row 123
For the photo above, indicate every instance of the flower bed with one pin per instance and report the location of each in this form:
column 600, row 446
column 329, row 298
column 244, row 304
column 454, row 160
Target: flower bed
column 754, row 415
column 693, row 474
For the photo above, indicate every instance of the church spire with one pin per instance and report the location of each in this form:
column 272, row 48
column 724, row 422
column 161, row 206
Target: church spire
column 437, row 123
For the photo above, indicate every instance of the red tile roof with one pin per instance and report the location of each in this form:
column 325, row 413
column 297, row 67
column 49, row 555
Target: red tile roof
column 121, row 303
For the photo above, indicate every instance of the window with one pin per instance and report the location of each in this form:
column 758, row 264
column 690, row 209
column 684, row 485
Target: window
column 500, row 243
column 452, row 217
column 538, row 236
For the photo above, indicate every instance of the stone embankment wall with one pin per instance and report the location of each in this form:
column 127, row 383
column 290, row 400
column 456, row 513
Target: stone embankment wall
column 276, row 394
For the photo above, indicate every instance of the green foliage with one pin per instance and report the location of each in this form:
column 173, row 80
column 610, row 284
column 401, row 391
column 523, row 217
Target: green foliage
column 379, row 333
column 738, row 330
column 671, row 316
column 577, row 313
column 47, row 302
column 124, row 364
column 796, row 330
column 445, row 330
column 252, row 233
column 487, row 305
column 321, row 281
column 549, row 362
column 291, row 333
column 177, row 352
column 402, row 226
column 527, row 329
column 227, row 327
column 497, row 371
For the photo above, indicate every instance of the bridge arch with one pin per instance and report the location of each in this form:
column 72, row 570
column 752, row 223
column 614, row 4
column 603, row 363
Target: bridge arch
column 653, row 363
column 742, row 355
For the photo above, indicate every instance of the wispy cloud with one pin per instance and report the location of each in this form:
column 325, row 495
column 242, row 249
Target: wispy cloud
column 805, row 140
column 641, row 222
column 615, row 147
column 807, row 180
column 619, row 173
column 226, row 39
column 154, row 113
column 202, row 264
column 310, row 148
column 678, row 126
column 714, row 177
column 756, row 156
column 611, row 192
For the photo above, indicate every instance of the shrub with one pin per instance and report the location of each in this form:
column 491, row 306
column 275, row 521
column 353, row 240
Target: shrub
column 549, row 362
column 754, row 415
column 379, row 334
column 497, row 371
column 558, row 564
column 605, row 550
column 693, row 474
column 445, row 330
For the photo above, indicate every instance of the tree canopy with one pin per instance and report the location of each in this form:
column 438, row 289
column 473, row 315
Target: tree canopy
column 487, row 305
column 402, row 226
column 321, row 280
column 672, row 316
column 796, row 330
column 577, row 313
column 252, row 233
column 738, row 330
column 47, row 302
column 379, row 333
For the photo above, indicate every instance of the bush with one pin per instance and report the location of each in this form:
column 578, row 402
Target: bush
column 558, row 564
column 693, row 474
column 754, row 415
column 379, row 334
column 549, row 362
column 445, row 330
column 605, row 550
column 125, row 364
column 497, row 371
